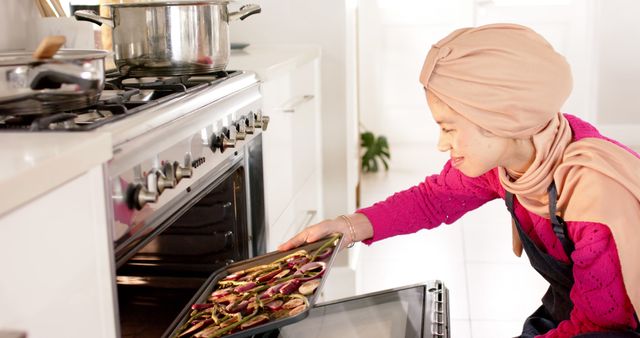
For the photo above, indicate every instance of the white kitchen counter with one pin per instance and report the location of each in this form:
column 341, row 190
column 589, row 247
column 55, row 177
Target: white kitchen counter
column 269, row 60
column 35, row 163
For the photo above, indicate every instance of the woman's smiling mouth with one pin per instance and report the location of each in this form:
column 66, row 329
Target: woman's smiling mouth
column 456, row 161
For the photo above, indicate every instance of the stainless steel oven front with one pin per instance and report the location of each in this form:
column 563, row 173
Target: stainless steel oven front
column 187, row 198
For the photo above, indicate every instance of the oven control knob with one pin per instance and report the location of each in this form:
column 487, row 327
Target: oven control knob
column 182, row 172
column 240, row 127
column 265, row 122
column 226, row 132
column 261, row 121
column 222, row 142
column 166, row 178
column 249, row 127
column 138, row 196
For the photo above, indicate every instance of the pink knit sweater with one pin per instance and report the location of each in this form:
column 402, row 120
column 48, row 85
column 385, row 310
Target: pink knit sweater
column 598, row 294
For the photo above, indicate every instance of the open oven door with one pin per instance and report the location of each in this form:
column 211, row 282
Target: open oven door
column 417, row 311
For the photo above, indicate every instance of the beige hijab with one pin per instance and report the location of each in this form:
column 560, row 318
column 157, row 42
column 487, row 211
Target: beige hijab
column 508, row 80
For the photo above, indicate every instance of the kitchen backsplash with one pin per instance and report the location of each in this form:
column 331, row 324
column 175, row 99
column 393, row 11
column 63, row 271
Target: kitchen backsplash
column 23, row 28
column 16, row 17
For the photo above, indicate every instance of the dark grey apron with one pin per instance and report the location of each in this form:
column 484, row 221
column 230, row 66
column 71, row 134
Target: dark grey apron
column 556, row 304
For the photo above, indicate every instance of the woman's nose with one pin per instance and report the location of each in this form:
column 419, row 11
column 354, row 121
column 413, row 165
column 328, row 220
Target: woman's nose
column 443, row 144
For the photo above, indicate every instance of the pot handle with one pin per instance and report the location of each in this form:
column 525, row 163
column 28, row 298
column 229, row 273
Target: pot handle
column 244, row 12
column 91, row 16
column 51, row 79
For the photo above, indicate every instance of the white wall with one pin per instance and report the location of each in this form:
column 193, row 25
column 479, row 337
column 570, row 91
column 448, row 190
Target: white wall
column 618, row 64
column 22, row 27
column 330, row 24
column 16, row 14
column 394, row 38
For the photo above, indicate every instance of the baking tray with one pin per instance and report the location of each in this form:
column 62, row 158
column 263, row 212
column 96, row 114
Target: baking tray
column 208, row 287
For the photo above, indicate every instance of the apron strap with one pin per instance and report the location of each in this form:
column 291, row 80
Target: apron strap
column 508, row 199
column 559, row 225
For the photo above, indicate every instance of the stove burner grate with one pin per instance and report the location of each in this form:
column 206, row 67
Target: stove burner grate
column 124, row 96
column 173, row 83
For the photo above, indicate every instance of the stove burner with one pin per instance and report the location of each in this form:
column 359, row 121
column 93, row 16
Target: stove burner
column 174, row 83
column 18, row 122
column 78, row 120
column 123, row 97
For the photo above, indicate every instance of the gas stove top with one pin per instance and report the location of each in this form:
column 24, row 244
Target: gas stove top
column 122, row 97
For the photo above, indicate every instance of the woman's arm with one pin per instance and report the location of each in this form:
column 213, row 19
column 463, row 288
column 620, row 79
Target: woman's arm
column 441, row 198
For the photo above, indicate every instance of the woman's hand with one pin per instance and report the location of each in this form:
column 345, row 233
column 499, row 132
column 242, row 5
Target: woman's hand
column 361, row 229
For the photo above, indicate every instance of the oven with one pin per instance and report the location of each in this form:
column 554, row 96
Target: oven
column 187, row 197
column 184, row 188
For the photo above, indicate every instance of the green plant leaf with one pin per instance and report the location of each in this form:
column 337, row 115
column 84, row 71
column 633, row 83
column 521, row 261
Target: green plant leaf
column 376, row 149
column 368, row 139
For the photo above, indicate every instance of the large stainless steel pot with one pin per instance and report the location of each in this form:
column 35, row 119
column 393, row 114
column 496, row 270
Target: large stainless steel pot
column 71, row 79
column 170, row 37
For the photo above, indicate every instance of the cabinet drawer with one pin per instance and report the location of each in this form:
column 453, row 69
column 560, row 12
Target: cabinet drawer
column 305, row 135
column 305, row 209
column 277, row 154
column 291, row 145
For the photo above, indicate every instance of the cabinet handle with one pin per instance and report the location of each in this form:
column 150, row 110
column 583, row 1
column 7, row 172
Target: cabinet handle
column 307, row 220
column 290, row 107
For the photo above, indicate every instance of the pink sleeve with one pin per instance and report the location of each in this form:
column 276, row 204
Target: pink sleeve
column 598, row 294
column 439, row 199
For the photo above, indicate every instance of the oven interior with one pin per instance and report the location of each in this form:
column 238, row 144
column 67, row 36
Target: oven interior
column 159, row 280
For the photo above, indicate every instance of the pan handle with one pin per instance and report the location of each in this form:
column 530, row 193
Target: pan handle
column 51, row 79
column 91, row 16
column 244, row 12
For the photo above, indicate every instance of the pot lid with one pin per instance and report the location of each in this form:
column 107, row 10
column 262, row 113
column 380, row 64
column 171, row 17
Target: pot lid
column 24, row 57
column 155, row 3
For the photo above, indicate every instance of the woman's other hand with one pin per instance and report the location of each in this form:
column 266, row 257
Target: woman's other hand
column 354, row 228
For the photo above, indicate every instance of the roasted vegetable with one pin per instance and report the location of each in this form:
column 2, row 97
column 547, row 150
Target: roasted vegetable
column 254, row 296
column 309, row 287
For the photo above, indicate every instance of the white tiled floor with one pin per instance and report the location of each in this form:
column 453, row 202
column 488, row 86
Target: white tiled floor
column 491, row 290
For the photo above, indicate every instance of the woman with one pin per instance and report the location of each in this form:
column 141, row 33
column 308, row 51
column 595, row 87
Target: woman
column 573, row 194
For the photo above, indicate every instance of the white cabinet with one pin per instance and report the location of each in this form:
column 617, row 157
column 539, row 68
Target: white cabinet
column 55, row 253
column 292, row 165
column 292, row 150
column 302, row 211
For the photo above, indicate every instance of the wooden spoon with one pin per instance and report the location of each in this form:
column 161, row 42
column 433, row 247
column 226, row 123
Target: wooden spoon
column 58, row 8
column 49, row 46
column 48, row 10
column 43, row 13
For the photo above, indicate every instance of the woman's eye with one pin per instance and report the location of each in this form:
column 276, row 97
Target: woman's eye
column 445, row 130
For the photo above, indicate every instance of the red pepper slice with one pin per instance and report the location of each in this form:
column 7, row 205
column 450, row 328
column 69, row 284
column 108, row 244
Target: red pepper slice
column 268, row 276
column 290, row 286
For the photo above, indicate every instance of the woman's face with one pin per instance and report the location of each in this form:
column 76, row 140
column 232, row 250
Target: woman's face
column 474, row 151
